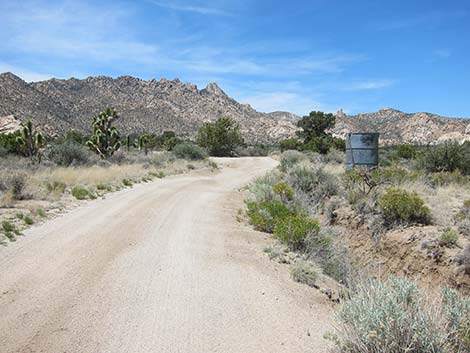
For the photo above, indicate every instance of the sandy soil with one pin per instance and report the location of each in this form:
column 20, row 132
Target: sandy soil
column 161, row 267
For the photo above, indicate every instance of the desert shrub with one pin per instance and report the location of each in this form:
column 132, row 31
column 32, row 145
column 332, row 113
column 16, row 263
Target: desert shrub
column 68, row 153
column 290, row 158
column 389, row 317
column 9, row 143
column 304, row 272
column 162, row 159
column 264, row 215
column 446, row 157
column 447, row 178
column 14, row 183
column 82, row 193
column 448, row 238
column 457, row 314
column 7, row 226
column 262, row 188
column 310, row 179
column 17, row 185
column 290, row 144
column 40, row 212
column 335, row 156
column 332, row 257
column 19, row 215
column 55, row 186
column 221, row 137
column 284, row 191
column 294, row 229
column 28, row 220
column 9, row 230
column 406, row 151
column 189, row 151
column 127, row 182
column 399, row 206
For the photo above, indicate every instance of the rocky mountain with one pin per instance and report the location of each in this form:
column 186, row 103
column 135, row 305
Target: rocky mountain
column 396, row 127
column 59, row 105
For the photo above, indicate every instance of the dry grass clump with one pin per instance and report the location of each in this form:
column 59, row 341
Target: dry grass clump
column 304, row 272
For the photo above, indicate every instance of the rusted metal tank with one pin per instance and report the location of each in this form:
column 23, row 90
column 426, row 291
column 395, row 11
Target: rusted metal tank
column 362, row 150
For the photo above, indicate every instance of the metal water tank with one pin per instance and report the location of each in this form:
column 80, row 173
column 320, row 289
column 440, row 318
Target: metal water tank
column 362, row 150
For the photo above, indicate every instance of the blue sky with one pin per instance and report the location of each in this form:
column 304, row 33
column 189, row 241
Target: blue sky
column 275, row 55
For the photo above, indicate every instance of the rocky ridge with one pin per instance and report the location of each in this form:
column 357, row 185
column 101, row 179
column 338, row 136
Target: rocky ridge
column 397, row 127
column 58, row 105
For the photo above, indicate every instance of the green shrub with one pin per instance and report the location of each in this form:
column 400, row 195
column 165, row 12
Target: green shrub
column 284, row 191
column 304, row 272
column 294, row 229
column 389, row 317
column 8, row 227
column 41, row 212
column 221, row 137
column 127, row 182
column 189, row 151
column 81, row 193
column 104, row 187
column 399, row 206
column 406, row 151
column 68, row 153
column 19, row 215
column 448, row 238
column 28, row 220
column 290, row 144
column 264, row 215
column 447, row 178
column 446, row 157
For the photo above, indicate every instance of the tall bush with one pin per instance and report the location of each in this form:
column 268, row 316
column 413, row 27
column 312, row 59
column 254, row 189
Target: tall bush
column 221, row 137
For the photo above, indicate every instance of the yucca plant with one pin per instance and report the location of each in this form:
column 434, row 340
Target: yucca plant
column 105, row 139
column 31, row 142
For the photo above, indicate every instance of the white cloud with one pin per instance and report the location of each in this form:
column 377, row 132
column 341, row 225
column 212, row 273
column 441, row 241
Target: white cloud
column 190, row 8
column 370, row 85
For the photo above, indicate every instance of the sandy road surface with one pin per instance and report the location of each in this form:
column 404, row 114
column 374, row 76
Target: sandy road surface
column 162, row 267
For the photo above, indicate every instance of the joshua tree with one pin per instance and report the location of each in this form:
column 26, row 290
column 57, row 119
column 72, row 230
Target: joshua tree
column 142, row 143
column 31, row 142
column 105, row 139
column 128, row 142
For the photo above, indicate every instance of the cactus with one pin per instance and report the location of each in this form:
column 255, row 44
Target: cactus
column 105, row 139
column 31, row 142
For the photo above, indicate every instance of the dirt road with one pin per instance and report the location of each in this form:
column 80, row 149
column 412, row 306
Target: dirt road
column 161, row 267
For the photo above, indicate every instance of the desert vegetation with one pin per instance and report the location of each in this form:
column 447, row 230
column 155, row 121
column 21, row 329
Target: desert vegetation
column 396, row 239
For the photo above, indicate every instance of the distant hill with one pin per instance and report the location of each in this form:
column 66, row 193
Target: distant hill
column 155, row 106
column 399, row 127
